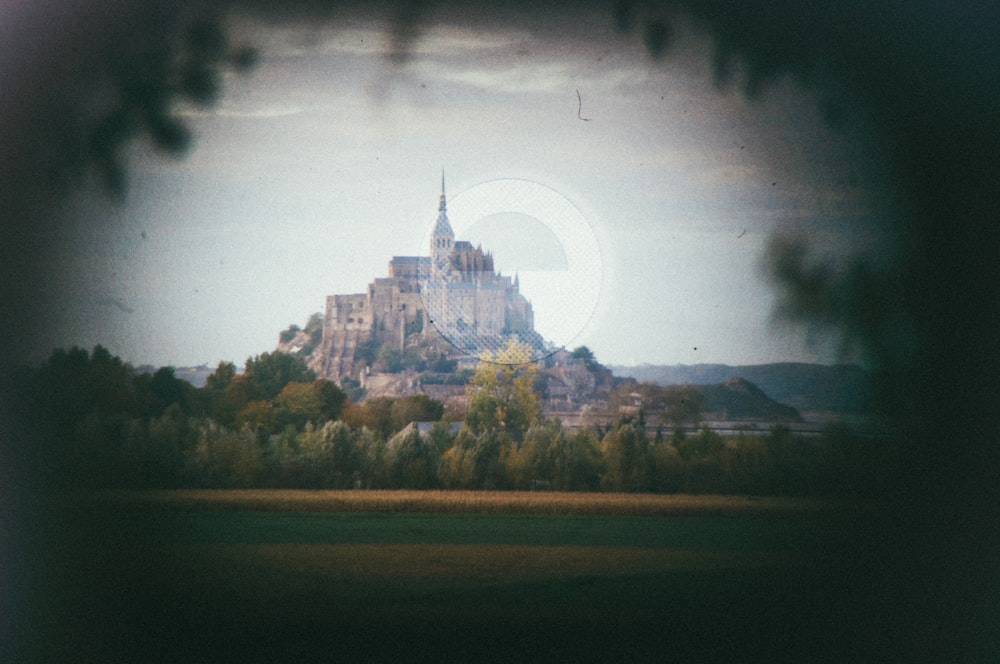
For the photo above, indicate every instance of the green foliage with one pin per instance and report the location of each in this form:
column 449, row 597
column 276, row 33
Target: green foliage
column 219, row 379
column 705, row 444
column 166, row 389
column 440, row 437
column 226, row 405
column 71, row 385
column 225, row 459
column 410, row 461
column 474, row 462
column 415, row 408
column 678, row 404
column 461, row 377
column 587, row 356
column 385, row 416
column 259, row 416
column 352, row 388
column 389, row 360
column 443, row 365
column 667, row 470
column 626, row 458
column 367, row 351
column 578, row 464
column 374, row 414
column 328, row 457
column 314, row 331
column 316, row 402
column 313, row 334
column 272, row 371
column 417, row 325
column 548, row 459
column 532, row 462
column 96, row 423
column 501, row 392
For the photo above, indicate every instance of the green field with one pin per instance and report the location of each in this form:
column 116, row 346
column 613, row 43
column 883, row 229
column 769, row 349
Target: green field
column 217, row 576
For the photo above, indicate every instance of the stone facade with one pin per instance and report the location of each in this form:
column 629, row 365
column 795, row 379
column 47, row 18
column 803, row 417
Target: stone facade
column 453, row 292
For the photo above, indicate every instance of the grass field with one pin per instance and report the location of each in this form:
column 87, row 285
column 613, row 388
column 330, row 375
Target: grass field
column 479, row 502
column 468, row 577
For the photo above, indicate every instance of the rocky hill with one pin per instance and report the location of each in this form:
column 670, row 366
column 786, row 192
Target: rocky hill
column 813, row 388
column 739, row 399
column 733, row 400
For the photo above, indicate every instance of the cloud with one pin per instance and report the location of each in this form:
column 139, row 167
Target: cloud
column 519, row 76
column 374, row 39
column 452, row 41
column 263, row 112
column 117, row 303
column 510, row 78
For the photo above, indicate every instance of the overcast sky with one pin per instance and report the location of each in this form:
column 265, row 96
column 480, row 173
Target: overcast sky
column 325, row 161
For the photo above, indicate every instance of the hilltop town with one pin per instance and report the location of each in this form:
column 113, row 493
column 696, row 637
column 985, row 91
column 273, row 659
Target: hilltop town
column 448, row 305
column 422, row 329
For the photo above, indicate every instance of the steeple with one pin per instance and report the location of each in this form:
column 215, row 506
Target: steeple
column 443, row 237
column 443, row 227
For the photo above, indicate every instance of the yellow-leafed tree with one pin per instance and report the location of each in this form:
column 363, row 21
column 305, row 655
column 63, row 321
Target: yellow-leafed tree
column 501, row 393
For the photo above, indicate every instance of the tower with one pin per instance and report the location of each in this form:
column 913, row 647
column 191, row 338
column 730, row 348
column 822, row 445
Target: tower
column 442, row 239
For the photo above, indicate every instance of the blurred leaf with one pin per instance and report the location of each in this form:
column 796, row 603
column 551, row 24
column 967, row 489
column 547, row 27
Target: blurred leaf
column 657, row 37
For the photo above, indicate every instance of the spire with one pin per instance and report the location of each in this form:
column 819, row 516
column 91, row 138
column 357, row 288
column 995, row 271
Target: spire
column 442, row 238
column 442, row 227
column 443, row 205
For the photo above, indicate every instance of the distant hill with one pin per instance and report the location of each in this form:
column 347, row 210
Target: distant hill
column 816, row 388
column 739, row 399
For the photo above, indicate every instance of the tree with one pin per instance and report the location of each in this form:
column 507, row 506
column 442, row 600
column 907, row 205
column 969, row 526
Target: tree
column 224, row 459
column 374, row 414
column 577, row 465
column 410, row 461
column 475, row 462
column 317, row 402
column 706, row 444
column 534, row 459
column 239, row 392
column 167, row 389
column 326, row 457
column 441, row 437
column 587, row 357
column 456, row 470
column 272, row 371
column 259, row 416
column 219, row 379
column 314, row 330
column 415, row 408
column 626, row 455
column 501, row 392
column 72, row 384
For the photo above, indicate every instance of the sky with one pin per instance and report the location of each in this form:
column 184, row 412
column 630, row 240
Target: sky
column 633, row 197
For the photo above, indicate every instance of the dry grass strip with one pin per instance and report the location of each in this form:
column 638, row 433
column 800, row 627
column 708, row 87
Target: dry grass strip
column 459, row 502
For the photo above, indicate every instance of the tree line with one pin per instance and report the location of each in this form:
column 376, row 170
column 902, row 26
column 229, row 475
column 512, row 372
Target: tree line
column 96, row 422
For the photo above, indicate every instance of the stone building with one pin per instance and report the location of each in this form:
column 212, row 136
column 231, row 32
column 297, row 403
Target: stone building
column 454, row 294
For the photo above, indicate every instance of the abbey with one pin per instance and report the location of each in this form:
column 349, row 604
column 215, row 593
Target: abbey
column 452, row 295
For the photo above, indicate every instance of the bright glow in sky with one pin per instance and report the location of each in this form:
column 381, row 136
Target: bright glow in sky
column 325, row 161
